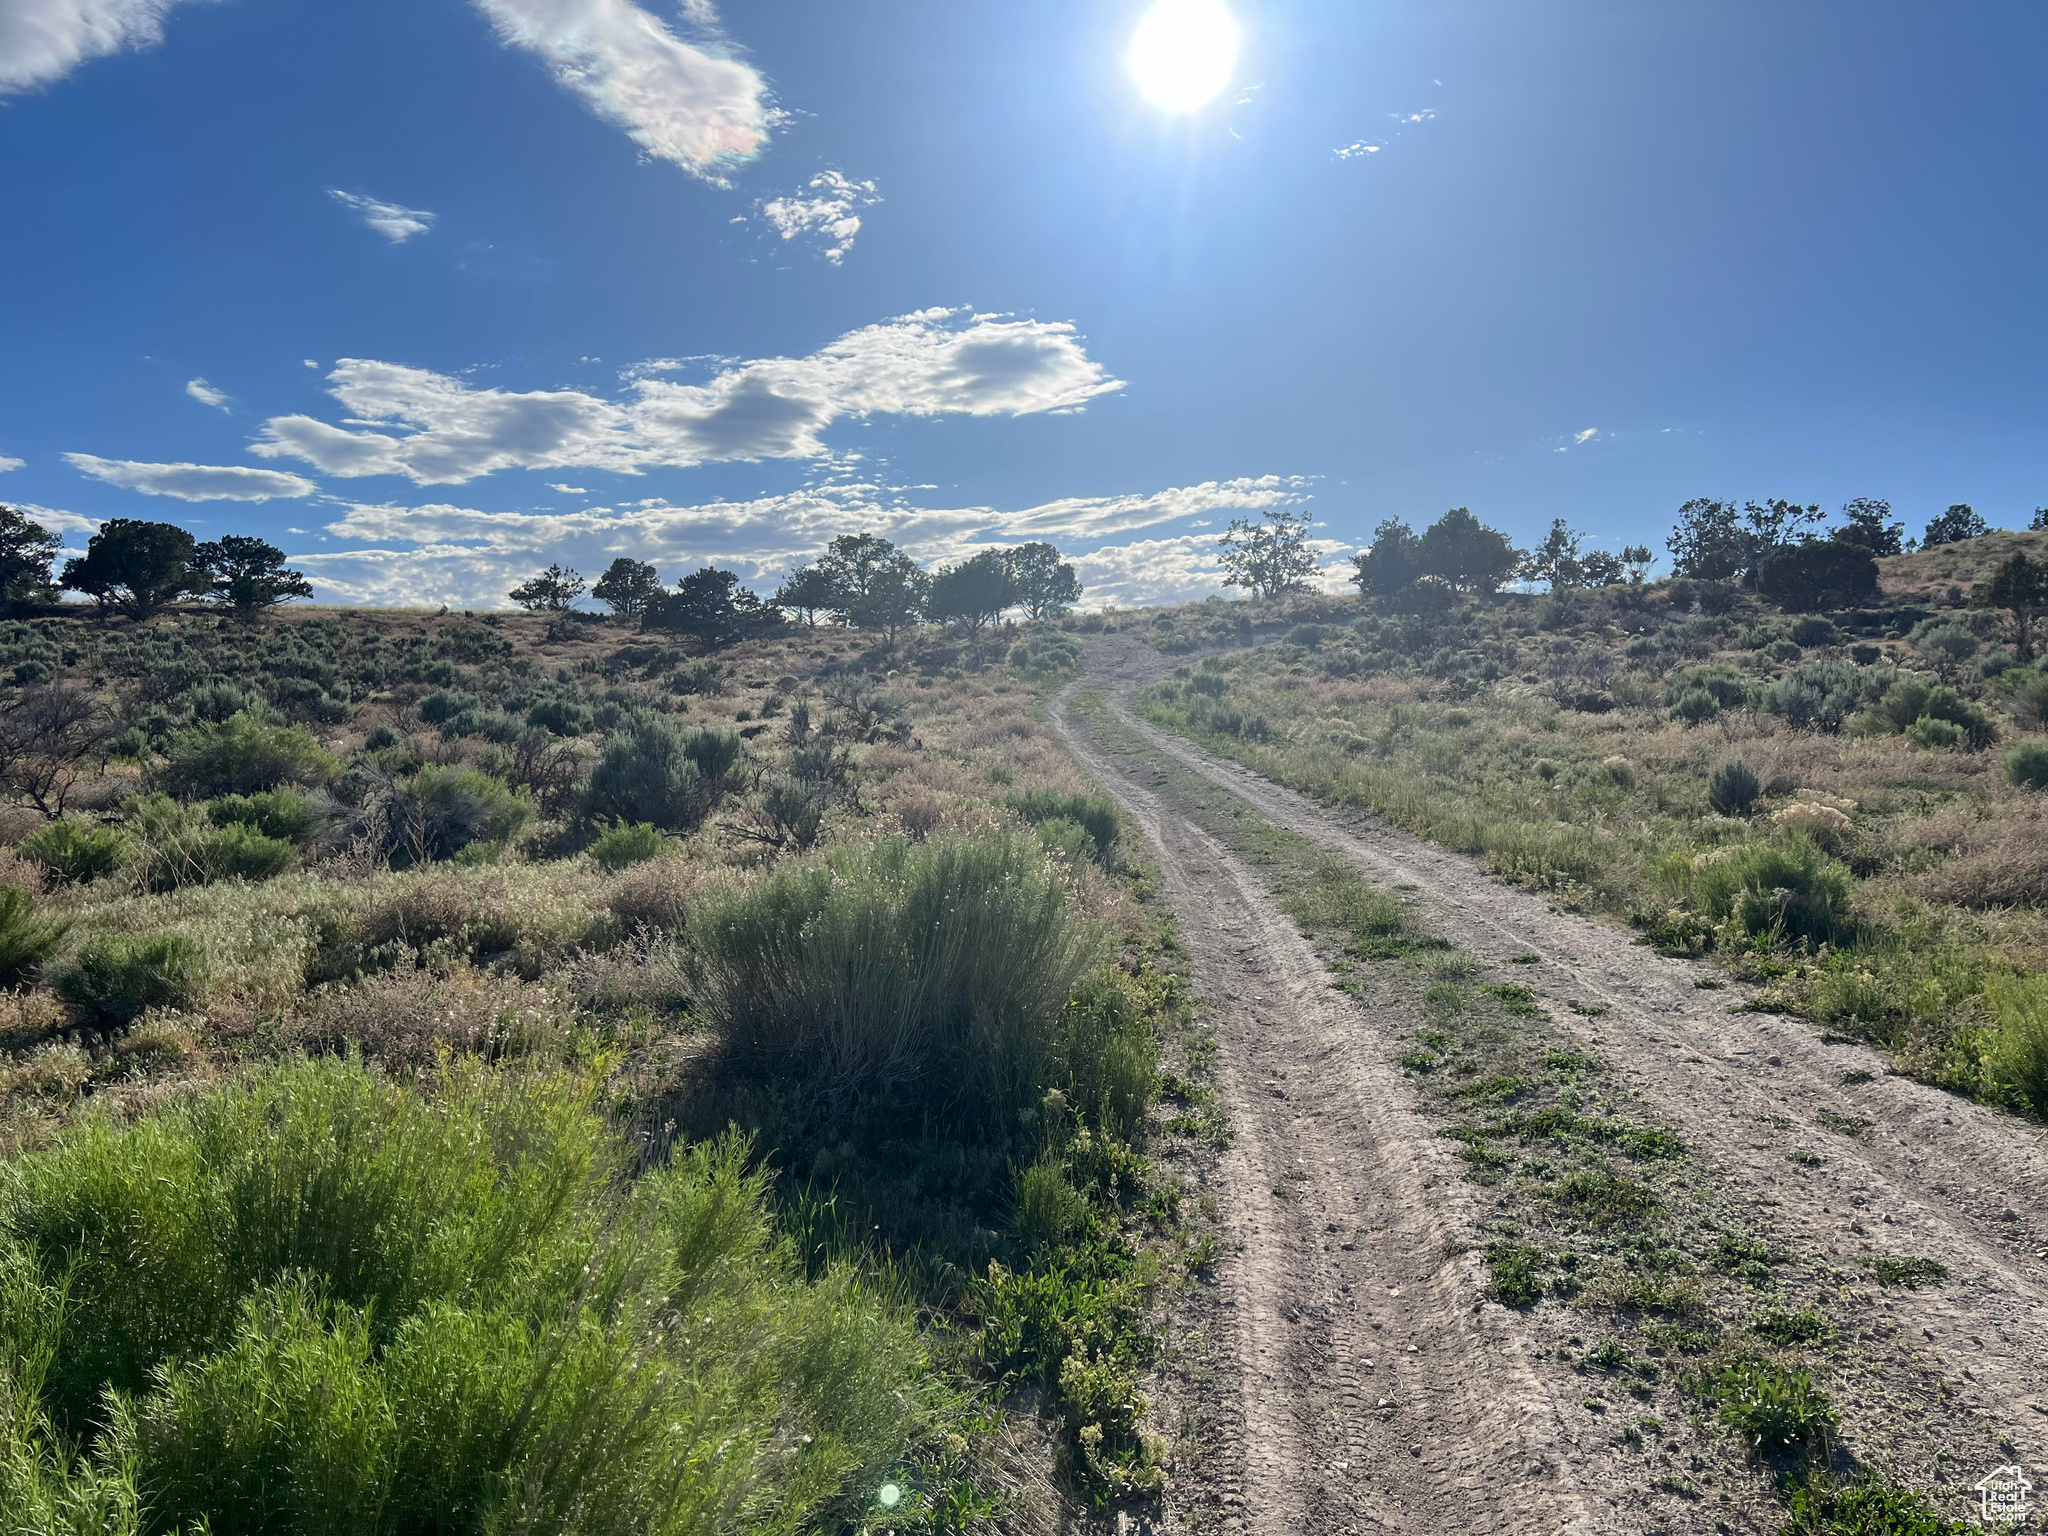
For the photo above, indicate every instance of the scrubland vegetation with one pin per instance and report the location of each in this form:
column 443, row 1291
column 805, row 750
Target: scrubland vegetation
column 1844, row 804
column 527, row 1072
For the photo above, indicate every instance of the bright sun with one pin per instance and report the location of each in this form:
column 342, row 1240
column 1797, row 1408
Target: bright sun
column 1183, row 52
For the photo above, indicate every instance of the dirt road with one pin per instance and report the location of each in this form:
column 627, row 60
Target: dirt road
column 1359, row 1383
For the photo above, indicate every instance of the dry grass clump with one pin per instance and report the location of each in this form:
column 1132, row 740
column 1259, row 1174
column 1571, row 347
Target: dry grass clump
column 528, row 918
column 407, row 1017
column 1999, row 859
column 656, row 896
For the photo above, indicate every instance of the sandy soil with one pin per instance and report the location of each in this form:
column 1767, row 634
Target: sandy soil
column 1349, row 1376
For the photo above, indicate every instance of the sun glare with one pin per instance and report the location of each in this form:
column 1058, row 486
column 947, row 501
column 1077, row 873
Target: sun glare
column 1183, row 52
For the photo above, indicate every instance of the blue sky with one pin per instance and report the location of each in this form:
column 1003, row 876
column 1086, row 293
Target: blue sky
column 460, row 287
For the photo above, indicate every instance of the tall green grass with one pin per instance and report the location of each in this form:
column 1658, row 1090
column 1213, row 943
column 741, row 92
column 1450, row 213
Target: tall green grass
column 314, row 1301
column 934, row 971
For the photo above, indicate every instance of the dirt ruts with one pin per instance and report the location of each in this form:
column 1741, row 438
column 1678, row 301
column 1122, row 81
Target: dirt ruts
column 1355, row 1385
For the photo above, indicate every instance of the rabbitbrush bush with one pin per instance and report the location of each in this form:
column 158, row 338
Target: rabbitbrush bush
column 75, row 851
column 243, row 756
column 26, row 937
column 315, row 1301
column 938, row 969
column 119, row 976
column 1791, row 888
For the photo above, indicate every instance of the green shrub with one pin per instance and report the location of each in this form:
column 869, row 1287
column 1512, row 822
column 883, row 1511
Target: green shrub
column 241, row 756
column 26, row 937
column 284, row 814
column 1814, row 630
column 441, row 812
column 1773, row 1409
column 1695, row 706
column 1046, row 1208
column 937, row 970
column 2019, row 1045
column 340, row 1306
column 634, row 843
column 2026, row 765
column 648, row 774
column 1046, row 654
column 382, row 738
column 1866, row 1507
column 118, row 976
column 1104, row 1054
column 1934, row 735
column 1789, row 888
column 1725, row 688
column 1097, row 814
column 714, row 749
column 1734, row 788
column 75, row 850
column 1899, row 706
column 1969, row 717
column 444, row 704
column 240, row 852
column 560, row 717
column 181, row 847
column 1820, row 694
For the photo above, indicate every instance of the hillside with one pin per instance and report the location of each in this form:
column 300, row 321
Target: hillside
column 1931, row 572
column 375, row 974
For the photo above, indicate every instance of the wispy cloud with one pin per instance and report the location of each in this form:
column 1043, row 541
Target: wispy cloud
column 206, row 394
column 193, row 482
column 693, row 104
column 1404, row 122
column 828, row 208
column 7, row 463
column 469, row 557
column 440, row 431
column 44, row 40
column 1578, row 440
column 395, row 223
column 59, row 521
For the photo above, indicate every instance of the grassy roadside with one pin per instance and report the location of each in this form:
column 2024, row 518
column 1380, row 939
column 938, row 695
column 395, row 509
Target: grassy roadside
column 1708, row 1347
column 1877, row 885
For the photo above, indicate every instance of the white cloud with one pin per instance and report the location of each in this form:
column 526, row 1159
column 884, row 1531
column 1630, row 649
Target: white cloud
column 1179, row 570
column 193, row 482
column 59, row 521
column 829, row 207
column 7, row 463
column 206, row 394
column 1586, row 436
column 440, row 431
column 1353, row 151
column 694, row 106
column 44, row 40
column 468, row 557
column 395, row 223
column 568, row 490
column 310, row 362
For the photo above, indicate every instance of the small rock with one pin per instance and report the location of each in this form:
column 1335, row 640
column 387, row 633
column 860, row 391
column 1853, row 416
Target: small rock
column 1413, row 1350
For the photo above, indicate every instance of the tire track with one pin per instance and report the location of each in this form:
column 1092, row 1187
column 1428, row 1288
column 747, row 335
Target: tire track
column 1932, row 1176
column 1362, row 1386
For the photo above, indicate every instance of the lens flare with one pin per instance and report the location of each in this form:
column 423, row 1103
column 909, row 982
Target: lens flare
column 1183, row 52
